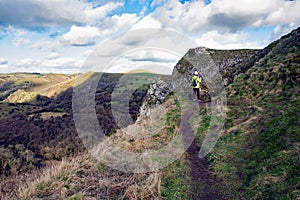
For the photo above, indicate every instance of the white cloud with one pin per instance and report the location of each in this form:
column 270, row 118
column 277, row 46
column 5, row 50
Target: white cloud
column 58, row 65
column 61, row 63
column 281, row 30
column 88, row 35
column 190, row 17
column 287, row 13
column 159, row 56
column 125, row 65
column 3, row 61
column 97, row 14
column 18, row 34
column 21, row 42
column 27, row 62
column 157, row 3
column 53, row 55
column 226, row 40
column 45, row 44
column 143, row 11
column 186, row 17
column 118, row 24
column 43, row 14
column 87, row 53
column 147, row 22
column 3, row 64
column 221, row 25
column 139, row 47
column 195, row 16
column 245, row 8
column 253, row 13
column 16, row 31
column 144, row 39
column 80, row 36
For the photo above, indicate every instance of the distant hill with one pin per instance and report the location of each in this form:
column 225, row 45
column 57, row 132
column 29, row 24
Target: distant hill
column 25, row 87
column 139, row 71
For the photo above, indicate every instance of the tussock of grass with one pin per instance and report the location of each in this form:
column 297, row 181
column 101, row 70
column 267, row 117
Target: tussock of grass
column 83, row 177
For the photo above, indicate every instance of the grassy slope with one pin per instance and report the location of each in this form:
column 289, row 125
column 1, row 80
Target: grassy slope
column 35, row 134
column 64, row 177
column 23, row 87
column 83, row 177
column 258, row 153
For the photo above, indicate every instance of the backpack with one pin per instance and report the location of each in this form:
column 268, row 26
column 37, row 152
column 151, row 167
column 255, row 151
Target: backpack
column 194, row 83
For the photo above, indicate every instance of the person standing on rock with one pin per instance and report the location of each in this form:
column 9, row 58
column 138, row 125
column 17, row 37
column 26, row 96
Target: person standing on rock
column 196, row 80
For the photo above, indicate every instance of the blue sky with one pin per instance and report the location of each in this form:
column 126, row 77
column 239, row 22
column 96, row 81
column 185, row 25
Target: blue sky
column 57, row 36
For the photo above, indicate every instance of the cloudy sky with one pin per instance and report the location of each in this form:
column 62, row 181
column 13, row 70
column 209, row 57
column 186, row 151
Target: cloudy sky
column 57, row 36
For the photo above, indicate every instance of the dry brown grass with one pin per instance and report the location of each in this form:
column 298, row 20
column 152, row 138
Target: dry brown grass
column 48, row 115
column 21, row 96
column 82, row 177
column 148, row 133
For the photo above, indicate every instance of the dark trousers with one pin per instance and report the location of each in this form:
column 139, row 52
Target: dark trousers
column 196, row 93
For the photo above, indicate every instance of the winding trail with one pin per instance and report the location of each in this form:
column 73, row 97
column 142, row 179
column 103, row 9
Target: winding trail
column 203, row 184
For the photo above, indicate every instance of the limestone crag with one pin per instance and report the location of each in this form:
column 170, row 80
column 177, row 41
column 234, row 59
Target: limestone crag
column 156, row 95
column 227, row 63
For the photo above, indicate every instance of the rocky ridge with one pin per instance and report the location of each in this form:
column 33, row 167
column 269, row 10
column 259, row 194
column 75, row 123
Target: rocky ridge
column 230, row 64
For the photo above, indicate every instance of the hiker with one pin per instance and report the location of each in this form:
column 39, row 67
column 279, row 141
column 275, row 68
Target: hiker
column 196, row 80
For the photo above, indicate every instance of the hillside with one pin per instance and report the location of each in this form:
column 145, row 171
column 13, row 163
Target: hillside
column 258, row 153
column 83, row 177
column 40, row 131
column 256, row 156
column 15, row 88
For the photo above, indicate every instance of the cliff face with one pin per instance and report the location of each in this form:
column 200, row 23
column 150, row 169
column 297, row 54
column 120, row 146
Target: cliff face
column 156, row 95
column 230, row 63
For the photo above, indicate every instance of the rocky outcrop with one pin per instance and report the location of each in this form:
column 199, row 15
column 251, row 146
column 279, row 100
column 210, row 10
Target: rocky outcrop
column 229, row 63
column 156, row 95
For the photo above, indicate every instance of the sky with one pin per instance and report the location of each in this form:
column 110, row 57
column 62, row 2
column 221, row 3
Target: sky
column 62, row 36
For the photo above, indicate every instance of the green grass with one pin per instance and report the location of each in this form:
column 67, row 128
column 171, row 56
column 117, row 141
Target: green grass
column 273, row 166
column 76, row 196
column 258, row 153
column 260, row 157
column 264, row 153
column 176, row 177
column 135, row 81
column 176, row 181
